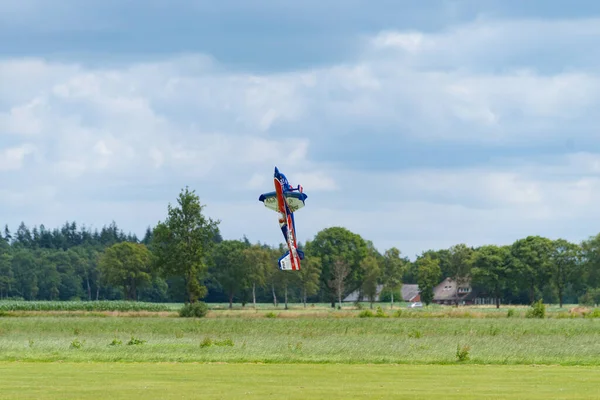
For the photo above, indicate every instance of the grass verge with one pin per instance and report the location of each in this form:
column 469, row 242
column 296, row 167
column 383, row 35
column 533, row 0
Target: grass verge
column 315, row 382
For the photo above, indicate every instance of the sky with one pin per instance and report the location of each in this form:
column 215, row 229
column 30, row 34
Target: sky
column 418, row 125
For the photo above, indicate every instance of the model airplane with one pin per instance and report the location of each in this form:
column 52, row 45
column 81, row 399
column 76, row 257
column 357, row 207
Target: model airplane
column 286, row 200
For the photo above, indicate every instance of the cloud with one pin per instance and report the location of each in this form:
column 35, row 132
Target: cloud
column 12, row 158
column 119, row 142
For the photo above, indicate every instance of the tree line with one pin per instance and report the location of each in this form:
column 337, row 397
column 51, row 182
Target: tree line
column 185, row 259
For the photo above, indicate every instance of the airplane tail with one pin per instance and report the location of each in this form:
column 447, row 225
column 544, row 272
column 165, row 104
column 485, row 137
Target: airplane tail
column 285, row 261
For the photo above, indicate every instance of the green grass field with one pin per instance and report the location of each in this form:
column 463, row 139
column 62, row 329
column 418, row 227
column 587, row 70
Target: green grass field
column 253, row 381
column 318, row 352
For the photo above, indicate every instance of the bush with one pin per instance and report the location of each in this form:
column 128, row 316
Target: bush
column 537, row 310
column 380, row 313
column 510, row 313
column 365, row 314
column 462, row 354
column 135, row 341
column 198, row 309
column 270, row 314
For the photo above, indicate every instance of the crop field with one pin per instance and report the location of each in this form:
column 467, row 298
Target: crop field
column 470, row 352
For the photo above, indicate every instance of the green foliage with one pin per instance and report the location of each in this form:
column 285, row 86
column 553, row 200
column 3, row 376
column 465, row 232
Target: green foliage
column 537, row 310
column 380, row 313
column 335, row 244
column 593, row 314
column 462, row 353
column 386, row 295
column 531, row 263
column 271, row 314
column 135, row 341
column 127, row 265
column 115, row 342
column 591, row 297
column 429, row 275
column 460, row 263
column 415, row 334
column 122, row 306
column 393, row 269
column 76, row 344
column 510, row 313
column 229, row 267
column 308, row 276
column 366, row 314
column 371, row 273
column 565, row 265
column 256, row 260
column 208, row 342
column 491, row 269
column 183, row 242
column 198, row 309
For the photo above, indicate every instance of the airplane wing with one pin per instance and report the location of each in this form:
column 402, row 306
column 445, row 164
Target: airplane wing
column 269, row 200
column 295, row 200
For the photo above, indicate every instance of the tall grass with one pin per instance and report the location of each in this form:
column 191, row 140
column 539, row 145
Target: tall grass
column 303, row 340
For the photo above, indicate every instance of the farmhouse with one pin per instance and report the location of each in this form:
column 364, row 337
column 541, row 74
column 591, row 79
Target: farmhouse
column 449, row 292
column 409, row 292
column 446, row 292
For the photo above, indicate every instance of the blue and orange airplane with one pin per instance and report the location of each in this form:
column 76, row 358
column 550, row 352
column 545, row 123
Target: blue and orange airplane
column 286, row 200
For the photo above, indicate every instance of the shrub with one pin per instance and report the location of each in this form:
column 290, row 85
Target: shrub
column 593, row 314
column 271, row 314
column 537, row 310
column 510, row 313
column 134, row 341
column 365, row 314
column 225, row 342
column 380, row 313
column 207, row 342
column 198, row 309
column 415, row 334
column 462, row 353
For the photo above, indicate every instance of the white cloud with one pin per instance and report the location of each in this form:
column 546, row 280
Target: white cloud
column 103, row 138
column 13, row 158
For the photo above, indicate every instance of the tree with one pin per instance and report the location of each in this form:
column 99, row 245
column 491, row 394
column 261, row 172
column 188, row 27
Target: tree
column 566, row 258
column 256, row 260
column 339, row 272
column 591, row 262
column 393, row 269
column 184, row 241
column 460, row 265
column 429, row 274
column 229, row 267
column 371, row 274
column 335, row 244
column 532, row 262
column 491, row 269
column 6, row 274
column 308, row 277
column 128, row 265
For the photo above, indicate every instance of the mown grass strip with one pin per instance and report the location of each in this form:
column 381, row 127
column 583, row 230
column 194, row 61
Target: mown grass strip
column 315, row 382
